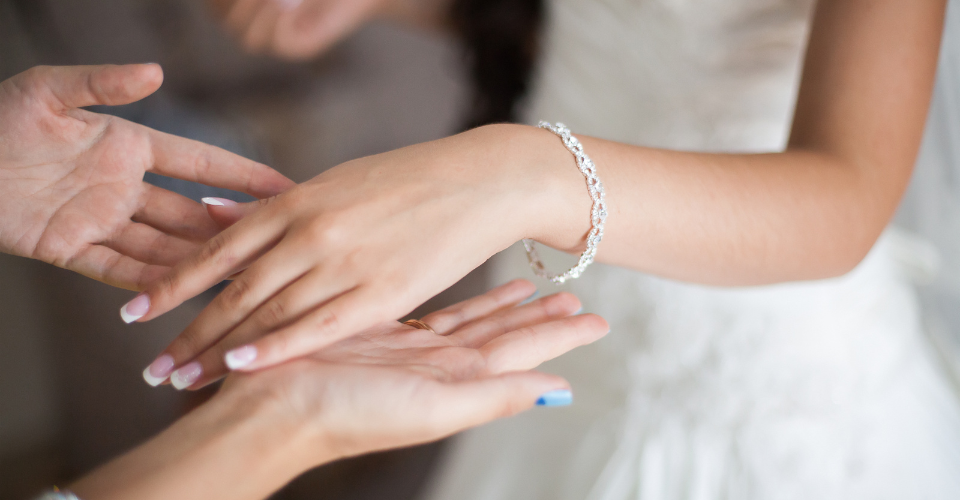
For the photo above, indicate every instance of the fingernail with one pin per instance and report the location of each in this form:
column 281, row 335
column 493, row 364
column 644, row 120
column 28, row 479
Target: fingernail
column 218, row 202
column 135, row 309
column 240, row 357
column 186, row 375
column 559, row 397
column 579, row 310
column 159, row 370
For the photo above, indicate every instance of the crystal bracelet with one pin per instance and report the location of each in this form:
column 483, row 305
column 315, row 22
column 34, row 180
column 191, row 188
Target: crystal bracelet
column 598, row 213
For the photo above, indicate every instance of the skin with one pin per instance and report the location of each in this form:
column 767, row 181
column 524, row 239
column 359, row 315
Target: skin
column 71, row 181
column 387, row 387
column 327, row 258
column 302, row 29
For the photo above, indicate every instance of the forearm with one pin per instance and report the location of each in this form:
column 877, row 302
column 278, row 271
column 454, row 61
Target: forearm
column 226, row 449
column 724, row 219
column 812, row 211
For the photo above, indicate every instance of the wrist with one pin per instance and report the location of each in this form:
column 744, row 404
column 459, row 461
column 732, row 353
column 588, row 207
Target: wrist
column 548, row 199
column 202, row 455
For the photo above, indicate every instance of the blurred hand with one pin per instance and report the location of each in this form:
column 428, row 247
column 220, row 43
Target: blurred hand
column 394, row 385
column 294, row 29
column 71, row 181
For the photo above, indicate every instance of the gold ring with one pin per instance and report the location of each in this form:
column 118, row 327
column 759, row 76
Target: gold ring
column 420, row 325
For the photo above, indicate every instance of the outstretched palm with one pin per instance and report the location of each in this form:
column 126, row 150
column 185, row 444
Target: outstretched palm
column 71, row 181
column 394, row 386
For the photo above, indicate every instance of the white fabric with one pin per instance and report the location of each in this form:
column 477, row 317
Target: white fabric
column 826, row 390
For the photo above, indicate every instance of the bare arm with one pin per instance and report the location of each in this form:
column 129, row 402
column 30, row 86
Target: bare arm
column 419, row 218
column 812, row 211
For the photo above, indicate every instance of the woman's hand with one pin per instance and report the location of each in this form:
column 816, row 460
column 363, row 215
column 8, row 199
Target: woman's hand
column 364, row 243
column 71, row 181
column 391, row 386
column 294, row 29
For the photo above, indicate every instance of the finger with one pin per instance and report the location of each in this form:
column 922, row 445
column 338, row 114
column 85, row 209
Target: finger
column 226, row 213
column 110, row 267
column 450, row 318
column 198, row 162
column 471, row 403
column 345, row 315
column 175, row 214
column 528, row 347
column 260, row 32
column 291, row 304
column 252, row 292
column 222, row 256
column 150, row 246
column 70, row 87
column 482, row 331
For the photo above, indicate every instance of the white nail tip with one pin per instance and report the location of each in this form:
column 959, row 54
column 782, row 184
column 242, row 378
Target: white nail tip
column 239, row 358
column 179, row 383
column 153, row 381
column 212, row 201
column 127, row 317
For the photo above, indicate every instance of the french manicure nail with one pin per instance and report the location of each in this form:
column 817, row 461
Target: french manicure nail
column 240, row 357
column 159, row 370
column 135, row 309
column 186, row 375
column 218, row 202
column 559, row 397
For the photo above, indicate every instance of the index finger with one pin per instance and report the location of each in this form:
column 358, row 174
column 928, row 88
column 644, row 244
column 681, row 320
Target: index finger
column 221, row 256
column 198, row 162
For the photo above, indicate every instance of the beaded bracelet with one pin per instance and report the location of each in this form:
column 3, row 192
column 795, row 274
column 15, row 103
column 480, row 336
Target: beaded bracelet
column 598, row 213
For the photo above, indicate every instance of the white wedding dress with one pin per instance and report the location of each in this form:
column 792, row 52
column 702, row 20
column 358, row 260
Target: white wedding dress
column 816, row 390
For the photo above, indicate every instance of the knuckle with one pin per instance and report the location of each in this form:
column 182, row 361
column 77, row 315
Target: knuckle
column 217, row 252
column 271, row 314
column 235, row 295
column 327, row 322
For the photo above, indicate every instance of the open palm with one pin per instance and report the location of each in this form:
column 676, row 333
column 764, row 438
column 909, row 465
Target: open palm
column 393, row 385
column 71, row 181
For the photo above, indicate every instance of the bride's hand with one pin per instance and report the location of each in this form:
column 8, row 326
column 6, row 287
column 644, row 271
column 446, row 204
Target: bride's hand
column 367, row 242
column 391, row 386
column 71, row 181
column 294, row 29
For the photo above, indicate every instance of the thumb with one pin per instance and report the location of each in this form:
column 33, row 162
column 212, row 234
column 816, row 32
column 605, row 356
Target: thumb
column 226, row 213
column 109, row 85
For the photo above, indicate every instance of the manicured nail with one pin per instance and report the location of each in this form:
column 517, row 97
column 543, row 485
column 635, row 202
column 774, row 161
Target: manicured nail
column 240, row 357
column 559, row 397
column 135, row 309
column 218, row 202
column 186, row 375
column 159, row 370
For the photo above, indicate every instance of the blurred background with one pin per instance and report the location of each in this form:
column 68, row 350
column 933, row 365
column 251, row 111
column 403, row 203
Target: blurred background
column 71, row 394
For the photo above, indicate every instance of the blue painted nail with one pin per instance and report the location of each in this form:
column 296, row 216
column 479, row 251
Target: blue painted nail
column 559, row 397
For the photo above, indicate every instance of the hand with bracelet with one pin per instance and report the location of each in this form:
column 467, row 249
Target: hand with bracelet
column 387, row 387
column 369, row 240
